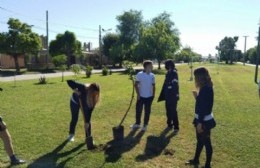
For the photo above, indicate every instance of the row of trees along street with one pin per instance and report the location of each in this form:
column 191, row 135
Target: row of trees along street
column 135, row 40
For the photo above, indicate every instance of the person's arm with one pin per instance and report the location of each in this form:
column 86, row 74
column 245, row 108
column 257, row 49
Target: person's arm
column 205, row 103
column 154, row 88
column 137, row 89
column 76, row 86
column 137, row 82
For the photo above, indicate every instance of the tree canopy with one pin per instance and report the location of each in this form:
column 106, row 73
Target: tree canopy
column 66, row 44
column 19, row 40
column 226, row 49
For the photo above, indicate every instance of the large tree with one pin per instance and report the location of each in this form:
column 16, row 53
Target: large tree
column 66, row 44
column 19, row 40
column 109, row 40
column 227, row 50
column 186, row 54
column 159, row 40
column 129, row 26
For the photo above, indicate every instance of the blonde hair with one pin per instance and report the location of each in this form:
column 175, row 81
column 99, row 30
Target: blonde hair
column 93, row 95
column 202, row 77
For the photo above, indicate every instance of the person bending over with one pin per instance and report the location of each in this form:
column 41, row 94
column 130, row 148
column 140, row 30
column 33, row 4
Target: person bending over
column 85, row 96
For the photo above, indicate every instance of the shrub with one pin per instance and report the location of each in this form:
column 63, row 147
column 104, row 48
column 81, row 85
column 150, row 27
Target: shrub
column 42, row 80
column 89, row 71
column 59, row 60
column 105, row 71
column 75, row 68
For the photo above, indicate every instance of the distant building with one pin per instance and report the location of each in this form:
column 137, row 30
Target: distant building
column 7, row 61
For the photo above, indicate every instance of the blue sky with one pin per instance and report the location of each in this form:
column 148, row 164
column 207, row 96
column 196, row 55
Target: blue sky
column 202, row 23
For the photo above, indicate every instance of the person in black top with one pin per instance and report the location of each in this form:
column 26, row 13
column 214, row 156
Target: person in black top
column 85, row 96
column 170, row 93
column 204, row 120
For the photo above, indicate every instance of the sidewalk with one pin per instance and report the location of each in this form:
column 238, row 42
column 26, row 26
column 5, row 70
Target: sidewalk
column 58, row 74
column 47, row 75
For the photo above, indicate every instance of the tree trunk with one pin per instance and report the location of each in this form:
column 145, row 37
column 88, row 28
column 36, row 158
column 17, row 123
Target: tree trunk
column 16, row 62
column 159, row 64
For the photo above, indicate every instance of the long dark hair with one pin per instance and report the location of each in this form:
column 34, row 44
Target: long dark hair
column 202, row 77
column 169, row 64
column 92, row 98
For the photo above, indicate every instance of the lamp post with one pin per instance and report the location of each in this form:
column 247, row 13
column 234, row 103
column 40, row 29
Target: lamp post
column 244, row 55
column 100, row 43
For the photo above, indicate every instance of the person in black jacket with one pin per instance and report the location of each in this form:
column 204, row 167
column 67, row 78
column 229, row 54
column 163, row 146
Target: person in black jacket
column 170, row 93
column 204, row 120
column 85, row 96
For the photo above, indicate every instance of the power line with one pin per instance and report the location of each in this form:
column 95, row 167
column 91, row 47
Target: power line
column 41, row 20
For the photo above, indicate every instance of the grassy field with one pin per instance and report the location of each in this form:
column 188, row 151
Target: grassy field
column 38, row 118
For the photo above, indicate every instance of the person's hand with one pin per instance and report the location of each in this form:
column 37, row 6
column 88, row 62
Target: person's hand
column 195, row 93
column 138, row 97
column 199, row 128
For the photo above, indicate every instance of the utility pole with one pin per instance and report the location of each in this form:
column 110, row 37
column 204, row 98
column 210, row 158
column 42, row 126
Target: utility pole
column 47, row 39
column 100, row 52
column 244, row 59
column 257, row 56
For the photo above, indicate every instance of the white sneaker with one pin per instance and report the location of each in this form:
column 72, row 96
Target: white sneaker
column 71, row 138
column 144, row 128
column 135, row 126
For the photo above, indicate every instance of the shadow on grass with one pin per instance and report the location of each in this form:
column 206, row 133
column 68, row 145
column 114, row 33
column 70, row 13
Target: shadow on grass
column 50, row 159
column 48, row 83
column 156, row 145
column 115, row 149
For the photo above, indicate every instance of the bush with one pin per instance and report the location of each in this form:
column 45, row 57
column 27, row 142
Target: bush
column 59, row 60
column 42, row 80
column 105, row 71
column 75, row 68
column 89, row 71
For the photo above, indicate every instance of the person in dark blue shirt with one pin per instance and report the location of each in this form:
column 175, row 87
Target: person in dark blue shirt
column 170, row 93
column 86, row 97
column 204, row 120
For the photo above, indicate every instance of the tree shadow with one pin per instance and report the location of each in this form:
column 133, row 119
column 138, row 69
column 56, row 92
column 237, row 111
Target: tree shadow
column 115, row 149
column 156, row 145
column 50, row 159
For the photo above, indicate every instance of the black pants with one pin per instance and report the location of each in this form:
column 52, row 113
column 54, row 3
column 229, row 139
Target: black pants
column 146, row 103
column 171, row 113
column 203, row 139
column 75, row 108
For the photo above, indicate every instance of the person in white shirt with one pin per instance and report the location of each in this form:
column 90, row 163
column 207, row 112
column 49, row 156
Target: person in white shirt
column 145, row 89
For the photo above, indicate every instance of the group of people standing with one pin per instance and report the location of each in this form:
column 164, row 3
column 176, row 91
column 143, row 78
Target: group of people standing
column 86, row 96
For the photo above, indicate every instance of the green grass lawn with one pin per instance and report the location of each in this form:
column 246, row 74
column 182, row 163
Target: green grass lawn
column 38, row 118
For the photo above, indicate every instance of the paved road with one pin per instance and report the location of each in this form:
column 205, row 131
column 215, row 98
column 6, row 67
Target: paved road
column 58, row 74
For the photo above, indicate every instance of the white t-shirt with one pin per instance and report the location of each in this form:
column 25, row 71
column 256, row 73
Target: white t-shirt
column 146, row 82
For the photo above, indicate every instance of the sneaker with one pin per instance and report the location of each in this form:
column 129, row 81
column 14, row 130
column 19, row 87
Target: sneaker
column 192, row 162
column 71, row 138
column 176, row 131
column 17, row 161
column 144, row 128
column 135, row 126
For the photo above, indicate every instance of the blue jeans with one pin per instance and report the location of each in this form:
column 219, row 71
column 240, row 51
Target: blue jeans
column 75, row 108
